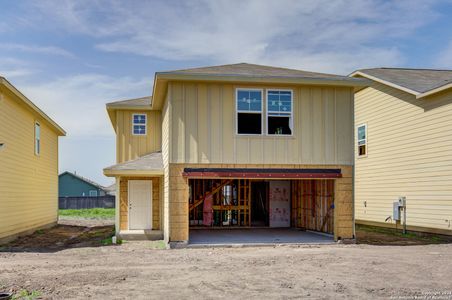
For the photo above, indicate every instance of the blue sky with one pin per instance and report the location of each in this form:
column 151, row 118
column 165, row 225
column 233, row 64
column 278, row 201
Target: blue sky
column 71, row 57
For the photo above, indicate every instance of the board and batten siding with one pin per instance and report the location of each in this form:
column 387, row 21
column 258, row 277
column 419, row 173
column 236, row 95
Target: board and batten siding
column 203, row 127
column 129, row 146
column 28, row 182
column 409, row 154
column 166, row 119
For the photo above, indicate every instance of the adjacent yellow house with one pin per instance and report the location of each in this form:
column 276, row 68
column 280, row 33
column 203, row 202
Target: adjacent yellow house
column 403, row 124
column 28, row 165
column 235, row 146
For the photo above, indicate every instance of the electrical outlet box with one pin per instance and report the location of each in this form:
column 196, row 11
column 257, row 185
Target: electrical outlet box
column 396, row 211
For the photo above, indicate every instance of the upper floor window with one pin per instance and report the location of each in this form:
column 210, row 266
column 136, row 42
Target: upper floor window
column 139, row 124
column 362, row 140
column 279, row 112
column 37, row 138
column 249, row 111
column 93, row 193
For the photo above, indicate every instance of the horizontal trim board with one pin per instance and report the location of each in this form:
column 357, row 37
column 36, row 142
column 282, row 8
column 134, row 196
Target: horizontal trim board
column 261, row 173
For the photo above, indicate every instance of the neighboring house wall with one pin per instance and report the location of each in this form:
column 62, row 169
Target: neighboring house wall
column 129, row 146
column 409, row 154
column 71, row 186
column 203, row 126
column 28, row 182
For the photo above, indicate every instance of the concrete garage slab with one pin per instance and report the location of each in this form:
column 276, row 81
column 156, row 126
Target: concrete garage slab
column 256, row 236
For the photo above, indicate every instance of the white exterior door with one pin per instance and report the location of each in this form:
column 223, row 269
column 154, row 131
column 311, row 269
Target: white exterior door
column 140, row 204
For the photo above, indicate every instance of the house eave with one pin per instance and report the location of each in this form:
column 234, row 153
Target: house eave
column 434, row 91
column 138, row 173
column 162, row 78
column 3, row 82
column 358, row 74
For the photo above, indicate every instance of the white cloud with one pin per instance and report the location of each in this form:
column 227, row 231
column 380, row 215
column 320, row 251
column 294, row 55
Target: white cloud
column 321, row 35
column 14, row 68
column 77, row 102
column 51, row 50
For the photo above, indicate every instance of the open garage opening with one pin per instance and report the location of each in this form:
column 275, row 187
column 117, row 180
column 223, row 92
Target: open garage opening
column 261, row 210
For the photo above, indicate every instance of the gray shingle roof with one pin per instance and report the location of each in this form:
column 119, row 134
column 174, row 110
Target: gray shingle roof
column 252, row 70
column 143, row 101
column 149, row 162
column 418, row 80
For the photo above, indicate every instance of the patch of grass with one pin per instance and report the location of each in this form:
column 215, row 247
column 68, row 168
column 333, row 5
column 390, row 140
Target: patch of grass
column 158, row 245
column 26, row 295
column 399, row 233
column 108, row 241
column 39, row 231
column 92, row 213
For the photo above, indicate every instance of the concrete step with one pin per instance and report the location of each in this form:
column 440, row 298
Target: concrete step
column 141, row 235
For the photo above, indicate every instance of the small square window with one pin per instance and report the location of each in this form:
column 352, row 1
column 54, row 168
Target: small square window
column 139, row 124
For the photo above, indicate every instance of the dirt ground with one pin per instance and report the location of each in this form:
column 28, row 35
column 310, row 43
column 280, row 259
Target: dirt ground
column 81, row 267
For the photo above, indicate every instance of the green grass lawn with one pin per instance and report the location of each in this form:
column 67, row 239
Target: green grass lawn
column 92, row 213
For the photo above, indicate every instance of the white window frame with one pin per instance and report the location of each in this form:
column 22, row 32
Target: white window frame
column 37, row 138
column 291, row 113
column 145, row 124
column 358, row 140
column 237, row 111
column 92, row 192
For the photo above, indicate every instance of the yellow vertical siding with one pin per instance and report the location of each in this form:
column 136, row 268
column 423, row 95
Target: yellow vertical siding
column 409, row 154
column 28, row 183
column 166, row 148
column 129, row 146
column 203, row 127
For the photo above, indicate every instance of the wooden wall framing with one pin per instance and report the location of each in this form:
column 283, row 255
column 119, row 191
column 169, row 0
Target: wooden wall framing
column 240, row 210
column 313, row 205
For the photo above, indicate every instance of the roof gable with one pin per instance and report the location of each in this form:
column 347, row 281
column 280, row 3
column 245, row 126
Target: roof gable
column 81, row 178
column 419, row 82
column 21, row 97
column 249, row 74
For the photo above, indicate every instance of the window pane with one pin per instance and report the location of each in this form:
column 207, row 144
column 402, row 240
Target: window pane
column 255, row 95
column 279, row 101
column 361, row 132
column 139, row 119
column 249, row 100
column 139, row 129
column 249, row 123
column 279, row 125
column 37, row 138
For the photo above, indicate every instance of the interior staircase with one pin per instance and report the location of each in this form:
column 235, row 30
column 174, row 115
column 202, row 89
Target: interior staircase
column 215, row 189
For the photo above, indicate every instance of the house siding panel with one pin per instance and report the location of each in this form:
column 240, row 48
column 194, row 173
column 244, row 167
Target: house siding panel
column 409, row 154
column 322, row 118
column 28, row 183
column 129, row 146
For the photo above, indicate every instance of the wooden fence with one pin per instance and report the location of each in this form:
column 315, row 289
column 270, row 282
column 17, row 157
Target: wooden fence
column 86, row 202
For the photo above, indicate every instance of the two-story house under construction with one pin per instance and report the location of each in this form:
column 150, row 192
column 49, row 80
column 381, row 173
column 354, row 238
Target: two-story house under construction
column 236, row 146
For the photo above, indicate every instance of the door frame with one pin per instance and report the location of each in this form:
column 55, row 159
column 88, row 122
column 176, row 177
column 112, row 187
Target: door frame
column 128, row 203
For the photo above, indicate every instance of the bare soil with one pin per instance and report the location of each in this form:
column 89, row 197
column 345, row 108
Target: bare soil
column 82, row 268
